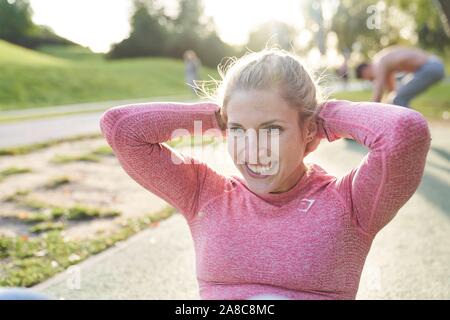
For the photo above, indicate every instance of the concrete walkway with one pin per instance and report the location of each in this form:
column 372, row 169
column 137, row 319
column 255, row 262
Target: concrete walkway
column 154, row 264
column 409, row 258
column 30, row 131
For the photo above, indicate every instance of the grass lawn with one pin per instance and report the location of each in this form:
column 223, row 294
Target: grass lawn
column 27, row 261
column 41, row 218
column 432, row 103
column 58, row 76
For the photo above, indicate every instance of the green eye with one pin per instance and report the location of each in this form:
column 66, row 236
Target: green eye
column 236, row 130
column 274, row 129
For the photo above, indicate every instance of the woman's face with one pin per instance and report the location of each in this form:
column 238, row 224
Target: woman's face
column 265, row 140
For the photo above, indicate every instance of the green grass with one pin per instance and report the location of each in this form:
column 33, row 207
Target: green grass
column 81, row 212
column 18, row 118
column 103, row 151
column 17, row 194
column 92, row 156
column 431, row 103
column 27, row 261
column 12, row 171
column 25, row 149
column 56, row 182
column 57, row 75
column 95, row 155
column 47, row 212
column 100, row 151
column 11, row 54
column 75, row 53
column 60, row 159
column 46, row 226
column 32, row 79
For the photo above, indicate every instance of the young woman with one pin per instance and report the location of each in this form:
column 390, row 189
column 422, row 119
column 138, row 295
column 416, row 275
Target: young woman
column 297, row 231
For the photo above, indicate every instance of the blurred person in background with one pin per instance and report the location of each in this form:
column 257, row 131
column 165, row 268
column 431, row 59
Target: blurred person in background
column 426, row 70
column 192, row 66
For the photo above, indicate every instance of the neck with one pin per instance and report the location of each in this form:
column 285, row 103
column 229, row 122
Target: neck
column 293, row 179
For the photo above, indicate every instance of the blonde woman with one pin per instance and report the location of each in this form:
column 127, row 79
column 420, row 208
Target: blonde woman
column 285, row 228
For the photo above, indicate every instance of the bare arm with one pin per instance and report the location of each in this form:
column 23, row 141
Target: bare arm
column 390, row 84
column 380, row 83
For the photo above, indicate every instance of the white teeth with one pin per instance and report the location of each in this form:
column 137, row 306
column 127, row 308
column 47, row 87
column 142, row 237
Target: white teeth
column 260, row 169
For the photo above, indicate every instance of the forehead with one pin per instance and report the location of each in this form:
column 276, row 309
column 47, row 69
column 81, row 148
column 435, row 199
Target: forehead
column 253, row 107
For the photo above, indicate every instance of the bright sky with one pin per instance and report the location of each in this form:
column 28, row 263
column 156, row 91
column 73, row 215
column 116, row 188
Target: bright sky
column 99, row 23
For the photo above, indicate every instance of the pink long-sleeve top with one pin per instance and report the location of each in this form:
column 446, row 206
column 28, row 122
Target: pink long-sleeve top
column 310, row 242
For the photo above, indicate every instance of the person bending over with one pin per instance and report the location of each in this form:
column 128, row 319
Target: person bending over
column 426, row 70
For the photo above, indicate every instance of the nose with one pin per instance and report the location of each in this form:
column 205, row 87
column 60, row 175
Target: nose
column 252, row 149
column 257, row 147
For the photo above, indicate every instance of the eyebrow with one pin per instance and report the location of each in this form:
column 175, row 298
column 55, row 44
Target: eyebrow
column 261, row 125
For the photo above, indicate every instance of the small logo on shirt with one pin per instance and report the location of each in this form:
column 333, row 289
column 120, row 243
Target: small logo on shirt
column 305, row 204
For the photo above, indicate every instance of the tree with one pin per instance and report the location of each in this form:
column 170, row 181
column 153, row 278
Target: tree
column 366, row 27
column 189, row 16
column 316, row 19
column 148, row 35
column 15, row 20
column 17, row 27
column 211, row 49
column 444, row 10
column 273, row 32
column 153, row 33
column 430, row 21
column 188, row 30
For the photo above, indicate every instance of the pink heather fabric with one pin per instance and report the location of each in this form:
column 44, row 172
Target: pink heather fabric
column 310, row 242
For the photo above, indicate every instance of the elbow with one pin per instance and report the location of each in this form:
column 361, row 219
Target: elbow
column 108, row 121
column 424, row 126
column 110, row 116
column 412, row 129
column 419, row 125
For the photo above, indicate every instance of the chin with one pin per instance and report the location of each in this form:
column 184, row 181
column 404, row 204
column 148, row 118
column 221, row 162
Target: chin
column 259, row 187
column 258, row 184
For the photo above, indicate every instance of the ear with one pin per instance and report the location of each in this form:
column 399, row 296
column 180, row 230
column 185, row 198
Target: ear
column 311, row 129
column 312, row 139
column 311, row 146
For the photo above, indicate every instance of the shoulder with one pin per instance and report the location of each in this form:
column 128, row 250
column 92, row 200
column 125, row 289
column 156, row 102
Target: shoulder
column 330, row 185
column 321, row 174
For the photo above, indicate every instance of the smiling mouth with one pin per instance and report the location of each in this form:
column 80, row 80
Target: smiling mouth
column 259, row 170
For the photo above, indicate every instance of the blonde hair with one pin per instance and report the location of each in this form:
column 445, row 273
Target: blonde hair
column 270, row 68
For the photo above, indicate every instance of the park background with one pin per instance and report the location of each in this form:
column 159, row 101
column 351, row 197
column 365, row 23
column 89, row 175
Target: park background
column 64, row 200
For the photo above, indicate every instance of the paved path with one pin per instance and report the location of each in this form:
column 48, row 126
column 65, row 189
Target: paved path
column 409, row 258
column 154, row 264
column 41, row 130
